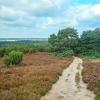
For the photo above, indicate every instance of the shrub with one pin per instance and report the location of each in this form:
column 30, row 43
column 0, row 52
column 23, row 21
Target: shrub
column 2, row 52
column 32, row 50
column 68, row 53
column 65, row 53
column 13, row 58
column 96, row 54
column 48, row 48
column 40, row 48
column 91, row 54
column 7, row 60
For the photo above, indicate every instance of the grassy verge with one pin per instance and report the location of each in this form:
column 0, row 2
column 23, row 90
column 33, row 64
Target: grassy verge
column 91, row 76
column 33, row 78
column 77, row 79
column 89, row 57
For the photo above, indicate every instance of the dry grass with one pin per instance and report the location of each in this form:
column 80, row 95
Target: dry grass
column 91, row 75
column 33, row 78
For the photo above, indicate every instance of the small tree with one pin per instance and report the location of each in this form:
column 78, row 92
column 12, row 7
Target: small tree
column 66, row 39
column 13, row 58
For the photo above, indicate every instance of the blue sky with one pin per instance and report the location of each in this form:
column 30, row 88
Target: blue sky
column 40, row 18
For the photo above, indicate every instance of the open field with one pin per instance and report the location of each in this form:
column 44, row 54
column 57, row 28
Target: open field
column 33, row 78
column 49, row 50
column 91, row 76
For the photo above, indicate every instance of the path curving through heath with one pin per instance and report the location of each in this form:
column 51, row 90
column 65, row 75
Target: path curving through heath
column 70, row 85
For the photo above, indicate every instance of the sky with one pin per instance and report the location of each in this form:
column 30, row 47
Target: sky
column 40, row 18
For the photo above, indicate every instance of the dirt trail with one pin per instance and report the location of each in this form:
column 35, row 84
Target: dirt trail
column 70, row 85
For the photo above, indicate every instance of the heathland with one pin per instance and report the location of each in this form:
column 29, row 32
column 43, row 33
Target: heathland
column 28, row 69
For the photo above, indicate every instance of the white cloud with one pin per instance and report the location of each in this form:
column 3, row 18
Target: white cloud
column 82, row 13
column 46, row 14
column 96, row 10
column 10, row 13
column 88, row 11
column 45, row 24
column 28, row 12
column 32, row 4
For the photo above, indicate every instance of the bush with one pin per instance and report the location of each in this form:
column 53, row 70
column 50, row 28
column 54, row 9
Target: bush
column 68, row 53
column 91, row 54
column 32, row 50
column 96, row 54
column 48, row 48
column 7, row 60
column 65, row 53
column 13, row 58
column 2, row 52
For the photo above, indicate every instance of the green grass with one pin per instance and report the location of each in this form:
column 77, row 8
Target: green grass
column 77, row 79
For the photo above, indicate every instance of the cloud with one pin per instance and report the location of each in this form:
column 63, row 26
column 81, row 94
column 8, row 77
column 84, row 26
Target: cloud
column 96, row 10
column 24, row 13
column 35, row 7
column 46, row 16
column 10, row 14
column 83, row 15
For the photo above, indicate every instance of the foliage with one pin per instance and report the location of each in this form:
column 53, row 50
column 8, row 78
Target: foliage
column 30, row 48
column 90, row 54
column 89, row 43
column 66, row 53
column 7, row 60
column 64, row 40
column 13, row 58
column 2, row 52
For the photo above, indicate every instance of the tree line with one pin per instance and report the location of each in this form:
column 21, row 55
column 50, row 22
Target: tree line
column 88, row 44
column 66, row 42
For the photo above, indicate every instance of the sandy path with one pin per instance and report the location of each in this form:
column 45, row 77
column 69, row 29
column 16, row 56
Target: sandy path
column 67, row 88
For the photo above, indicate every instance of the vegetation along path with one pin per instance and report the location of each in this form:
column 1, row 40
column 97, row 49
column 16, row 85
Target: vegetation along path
column 70, row 85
